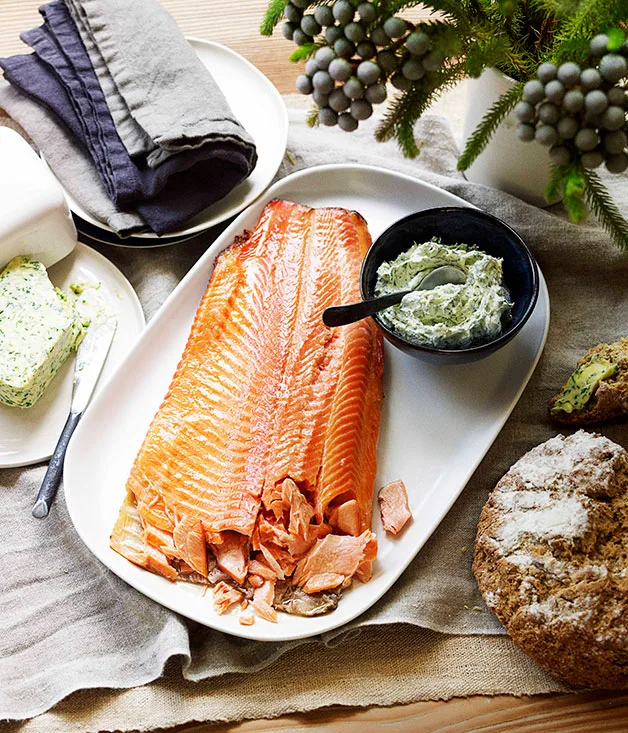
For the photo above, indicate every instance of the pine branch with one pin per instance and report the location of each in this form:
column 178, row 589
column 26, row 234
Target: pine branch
column 546, row 32
column 312, row 118
column 605, row 209
column 501, row 45
column 301, row 53
column 490, row 122
column 573, row 49
column 556, row 8
column 485, row 53
column 273, row 15
column 452, row 8
column 616, row 39
column 405, row 110
column 527, row 33
column 576, row 184
column 590, row 18
column 556, row 185
column 567, row 182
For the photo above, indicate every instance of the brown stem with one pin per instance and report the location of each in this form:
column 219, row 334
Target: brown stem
column 547, row 27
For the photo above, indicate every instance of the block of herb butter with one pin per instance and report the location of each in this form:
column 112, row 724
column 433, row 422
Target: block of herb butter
column 38, row 330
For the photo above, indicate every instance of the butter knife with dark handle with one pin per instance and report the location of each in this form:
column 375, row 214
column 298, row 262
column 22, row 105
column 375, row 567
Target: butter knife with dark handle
column 90, row 357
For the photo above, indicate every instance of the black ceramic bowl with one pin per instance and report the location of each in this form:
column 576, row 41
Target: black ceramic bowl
column 456, row 225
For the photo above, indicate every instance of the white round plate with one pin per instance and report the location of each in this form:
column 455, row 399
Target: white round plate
column 257, row 104
column 30, row 435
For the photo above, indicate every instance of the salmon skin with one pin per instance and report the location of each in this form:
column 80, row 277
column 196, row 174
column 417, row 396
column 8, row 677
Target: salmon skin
column 261, row 458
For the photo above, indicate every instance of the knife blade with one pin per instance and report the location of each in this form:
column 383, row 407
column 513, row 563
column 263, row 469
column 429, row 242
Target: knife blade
column 90, row 358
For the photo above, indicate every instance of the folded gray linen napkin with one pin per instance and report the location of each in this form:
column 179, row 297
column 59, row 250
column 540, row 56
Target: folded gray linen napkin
column 67, row 623
column 71, row 164
column 131, row 44
column 198, row 150
column 134, row 137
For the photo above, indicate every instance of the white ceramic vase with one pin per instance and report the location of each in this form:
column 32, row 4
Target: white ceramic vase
column 506, row 163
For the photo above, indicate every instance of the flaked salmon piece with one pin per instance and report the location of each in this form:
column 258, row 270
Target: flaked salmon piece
column 298, row 546
column 336, row 554
column 214, row 573
column 259, row 568
column 226, row 596
column 319, row 531
column 255, row 581
column 159, row 539
column 282, row 557
column 189, row 540
column 346, row 517
column 393, row 506
column 365, row 568
column 246, row 619
column 301, row 512
column 232, row 555
column 263, row 598
column 272, row 561
column 273, row 541
column 189, row 574
column 272, row 500
column 271, row 533
column 127, row 539
column 287, row 521
column 323, row 581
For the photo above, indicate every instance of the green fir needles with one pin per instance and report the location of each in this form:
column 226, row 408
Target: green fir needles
column 568, row 59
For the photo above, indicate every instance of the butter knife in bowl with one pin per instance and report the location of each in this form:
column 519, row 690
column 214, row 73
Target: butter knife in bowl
column 90, row 357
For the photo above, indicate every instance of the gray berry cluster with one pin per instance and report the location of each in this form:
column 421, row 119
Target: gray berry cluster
column 358, row 52
column 579, row 112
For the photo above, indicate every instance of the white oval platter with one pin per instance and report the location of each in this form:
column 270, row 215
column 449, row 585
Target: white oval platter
column 437, row 422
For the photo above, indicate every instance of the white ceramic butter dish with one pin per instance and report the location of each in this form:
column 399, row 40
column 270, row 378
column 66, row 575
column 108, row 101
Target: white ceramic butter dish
column 34, row 216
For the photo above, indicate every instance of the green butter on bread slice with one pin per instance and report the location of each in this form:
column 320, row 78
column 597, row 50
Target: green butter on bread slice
column 597, row 390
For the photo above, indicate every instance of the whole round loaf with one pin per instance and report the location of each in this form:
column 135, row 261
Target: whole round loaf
column 551, row 558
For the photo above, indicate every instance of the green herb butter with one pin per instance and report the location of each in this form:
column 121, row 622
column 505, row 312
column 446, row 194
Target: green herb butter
column 448, row 316
column 38, row 330
column 582, row 384
column 90, row 303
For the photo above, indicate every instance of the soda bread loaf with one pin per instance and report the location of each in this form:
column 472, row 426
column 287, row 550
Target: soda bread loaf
column 551, row 558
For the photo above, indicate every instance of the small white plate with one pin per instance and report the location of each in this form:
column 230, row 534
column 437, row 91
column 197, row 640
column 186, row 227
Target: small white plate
column 437, row 421
column 30, row 435
column 257, row 104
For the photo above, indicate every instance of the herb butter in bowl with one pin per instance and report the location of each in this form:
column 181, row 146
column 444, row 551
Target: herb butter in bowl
column 453, row 322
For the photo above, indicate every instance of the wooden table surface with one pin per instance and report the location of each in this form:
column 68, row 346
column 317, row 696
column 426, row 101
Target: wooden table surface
column 236, row 25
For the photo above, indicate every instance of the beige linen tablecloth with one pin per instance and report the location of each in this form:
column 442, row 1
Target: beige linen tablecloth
column 396, row 662
column 377, row 668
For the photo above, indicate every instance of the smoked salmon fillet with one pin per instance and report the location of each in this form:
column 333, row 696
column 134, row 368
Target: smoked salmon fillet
column 261, row 458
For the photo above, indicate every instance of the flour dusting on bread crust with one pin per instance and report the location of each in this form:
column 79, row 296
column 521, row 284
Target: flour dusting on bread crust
column 551, row 557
